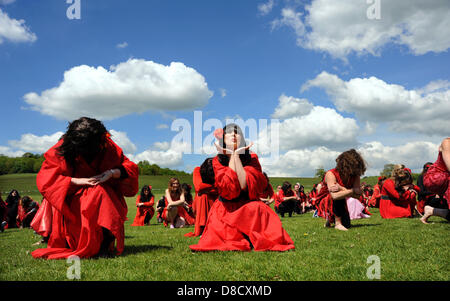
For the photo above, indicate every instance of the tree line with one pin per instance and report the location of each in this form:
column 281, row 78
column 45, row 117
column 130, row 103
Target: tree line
column 31, row 163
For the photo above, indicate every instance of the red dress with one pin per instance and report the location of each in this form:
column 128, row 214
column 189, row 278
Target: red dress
column 42, row 221
column 205, row 195
column 324, row 200
column 238, row 220
column 80, row 212
column 189, row 220
column 437, row 179
column 374, row 200
column 394, row 204
column 143, row 210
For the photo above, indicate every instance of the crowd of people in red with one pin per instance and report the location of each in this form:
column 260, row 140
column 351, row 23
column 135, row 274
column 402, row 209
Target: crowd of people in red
column 86, row 176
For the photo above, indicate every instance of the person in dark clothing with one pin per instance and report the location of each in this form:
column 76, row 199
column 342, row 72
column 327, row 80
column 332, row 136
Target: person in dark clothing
column 12, row 205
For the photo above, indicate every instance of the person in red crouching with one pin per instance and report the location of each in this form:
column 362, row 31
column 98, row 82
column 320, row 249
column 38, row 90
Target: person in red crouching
column 144, row 204
column 85, row 177
column 238, row 220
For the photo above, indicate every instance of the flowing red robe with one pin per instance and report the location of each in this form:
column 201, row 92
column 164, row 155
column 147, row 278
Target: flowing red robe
column 437, row 179
column 205, row 195
column 80, row 212
column 22, row 214
column 324, row 200
column 42, row 221
column 394, row 204
column 374, row 200
column 243, row 221
column 143, row 210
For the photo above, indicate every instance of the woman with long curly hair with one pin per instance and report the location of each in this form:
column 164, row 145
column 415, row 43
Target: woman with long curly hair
column 238, row 220
column 175, row 214
column 84, row 178
column 338, row 184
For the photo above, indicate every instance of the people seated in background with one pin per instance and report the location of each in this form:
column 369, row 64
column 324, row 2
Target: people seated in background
column 398, row 194
column 186, row 190
column 3, row 211
column 287, row 199
column 268, row 194
column 374, row 200
column 160, row 209
column 144, row 204
column 437, row 180
column 27, row 211
column 175, row 214
column 12, row 208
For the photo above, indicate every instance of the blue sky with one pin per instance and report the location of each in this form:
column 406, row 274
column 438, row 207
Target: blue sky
column 237, row 60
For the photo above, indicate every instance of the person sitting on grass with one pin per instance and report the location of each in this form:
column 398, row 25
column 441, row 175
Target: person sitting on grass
column 175, row 214
column 338, row 184
column 12, row 209
column 144, row 204
column 437, row 180
column 27, row 211
column 288, row 200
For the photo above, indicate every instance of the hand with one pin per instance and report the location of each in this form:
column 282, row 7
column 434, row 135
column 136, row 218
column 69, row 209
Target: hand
column 335, row 187
column 84, row 181
column 104, row 176
column 222, row 150
column 242, row 150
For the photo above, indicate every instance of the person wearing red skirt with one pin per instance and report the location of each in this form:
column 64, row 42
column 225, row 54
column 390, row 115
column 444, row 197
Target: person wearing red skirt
column 437, row 180
column 238, row 220
column 144, row 204
column 398, row 195
column 339, row 183
column 175, row 213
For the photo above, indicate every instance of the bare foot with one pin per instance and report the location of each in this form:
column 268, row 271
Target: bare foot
column 327, row 224
column 427, row 212
column 340, row 227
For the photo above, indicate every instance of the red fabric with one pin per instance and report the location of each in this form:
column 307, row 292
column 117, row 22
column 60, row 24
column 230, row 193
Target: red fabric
column 231, row 223
column 374, row 200
column 268, row 192
column 22, row 214
column 80, row 212
column 205, row 195
column 142, row 211
column 437, row 179
column 42, row 221
column 277, row 199
column 394, row 204
column 181, row 213
column 324, row 200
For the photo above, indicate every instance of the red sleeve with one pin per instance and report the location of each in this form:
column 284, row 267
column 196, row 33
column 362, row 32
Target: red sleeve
column 256, row 181
column 226, row 180
column 138, row 199
column 389, row 188
column 197, row 179
column 53, row 180
column 150, row 203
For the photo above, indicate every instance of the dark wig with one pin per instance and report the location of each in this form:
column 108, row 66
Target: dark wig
column 287, row 188
column 245, row 157
column 85, row 137
column 426, row 166
column 207, row 172
column 146, row 198
column 186, row 189
column 11, row 200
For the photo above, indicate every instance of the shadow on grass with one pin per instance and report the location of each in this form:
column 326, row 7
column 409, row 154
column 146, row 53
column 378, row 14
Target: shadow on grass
column 129, row 250
column 364, row 225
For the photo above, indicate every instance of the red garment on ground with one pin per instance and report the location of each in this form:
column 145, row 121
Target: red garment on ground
column 437, row 179
column 42, row 221
column 205, row 195
column 395, row 204
column 80, row 212
column 232, row 225
column 22, row 214
column 142, row 211
column 189, row 220
column 374, row 200
column 324, row 200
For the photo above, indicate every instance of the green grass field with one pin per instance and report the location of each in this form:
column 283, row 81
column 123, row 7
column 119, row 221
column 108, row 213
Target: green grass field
column 406, row 248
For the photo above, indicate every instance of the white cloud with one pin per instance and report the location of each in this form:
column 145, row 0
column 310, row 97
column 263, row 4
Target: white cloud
column 134, row 86
column 162, row 126
column 35, row 144
column 265, row 8
column 122, row 140
column 14, row 30
column 122, row 45
column 6, row 2
column 7, row 151
column 164, row 154
column 423, row 111
column 223, row 92
column 343, row 27
column 304, row 162
column 292, row 107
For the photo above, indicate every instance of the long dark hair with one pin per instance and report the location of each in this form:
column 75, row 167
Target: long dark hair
column 287, row 188
column 13, row 200
column 245, row 157
column 84, row 136
column 146, row 198
column 186, row 189
column 207, row 172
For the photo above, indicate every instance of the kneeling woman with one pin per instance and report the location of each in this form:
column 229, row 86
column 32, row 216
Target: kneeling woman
column 238, row 220
column 339, row 183
column 175, row 214
column 398, row 195
column 144, row 204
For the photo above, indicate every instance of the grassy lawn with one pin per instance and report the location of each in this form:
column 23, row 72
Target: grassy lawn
column 407, row 249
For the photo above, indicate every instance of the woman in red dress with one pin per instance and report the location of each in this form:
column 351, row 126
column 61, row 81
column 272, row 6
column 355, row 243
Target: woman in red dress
column 85, row 177
column 238, row 220
column 398, row 195
column 175, row 213
column 144, row 204
column 374, row 200
column 27, row 211
column 338, row 184
column 437, row 180
column 205, row 195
